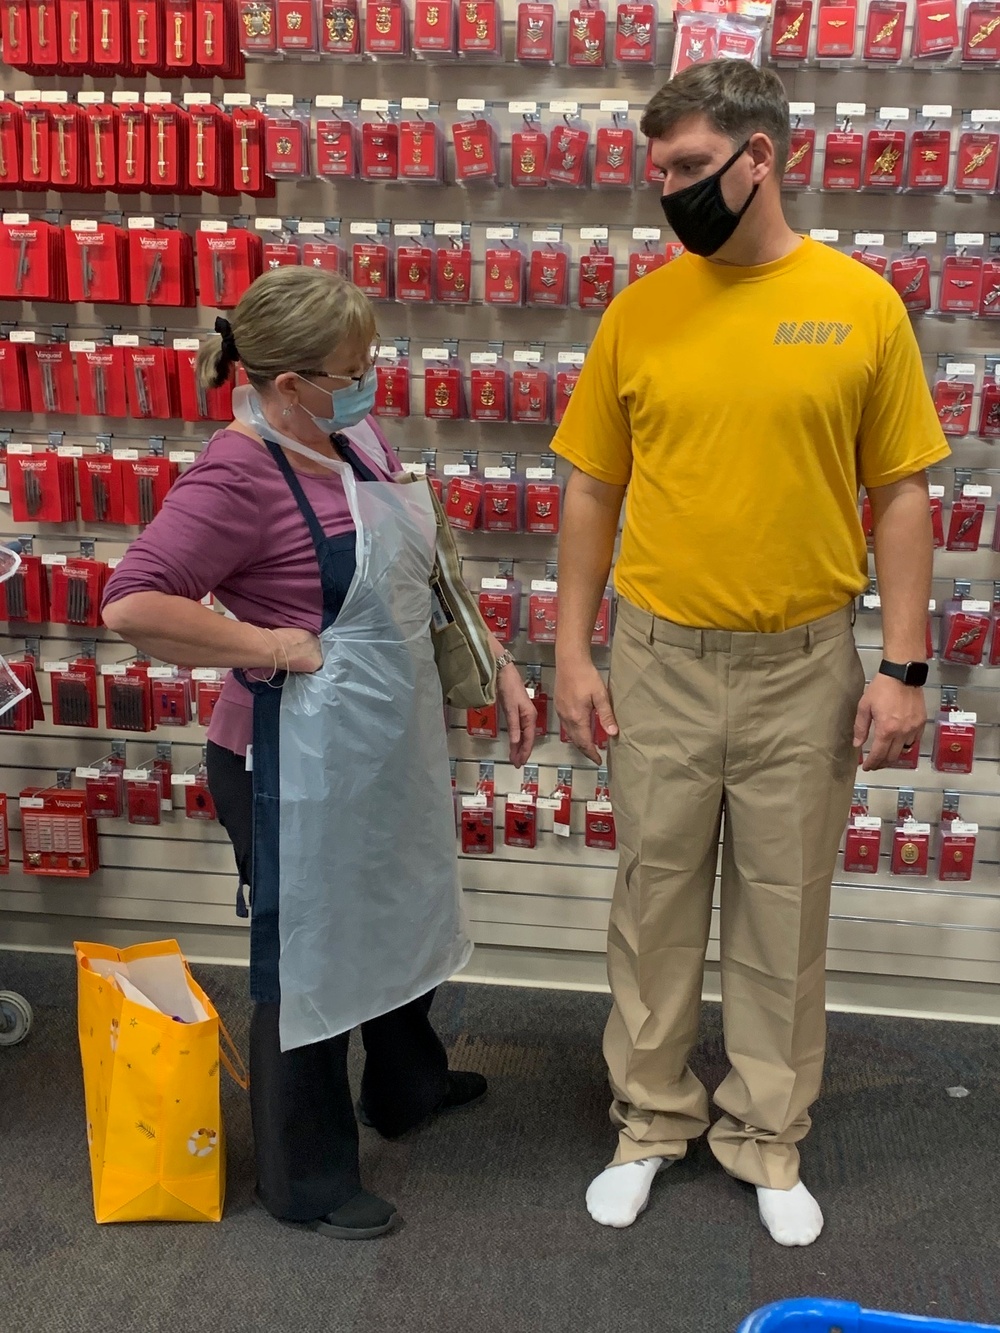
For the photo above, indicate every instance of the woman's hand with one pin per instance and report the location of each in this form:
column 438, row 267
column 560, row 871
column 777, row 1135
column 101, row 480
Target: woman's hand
column 297, row 650
column 519, row 712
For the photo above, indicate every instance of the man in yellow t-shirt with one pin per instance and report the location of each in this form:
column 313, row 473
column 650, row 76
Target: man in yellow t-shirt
column 736, row 399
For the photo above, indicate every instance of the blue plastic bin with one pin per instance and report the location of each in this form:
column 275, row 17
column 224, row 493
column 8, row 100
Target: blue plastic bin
column 815, row 1316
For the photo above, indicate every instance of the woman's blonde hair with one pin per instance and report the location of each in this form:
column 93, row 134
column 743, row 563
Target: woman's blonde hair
column 289, row 319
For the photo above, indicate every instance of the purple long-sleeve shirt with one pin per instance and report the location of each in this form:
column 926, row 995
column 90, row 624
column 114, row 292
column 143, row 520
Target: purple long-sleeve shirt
column 230, row 526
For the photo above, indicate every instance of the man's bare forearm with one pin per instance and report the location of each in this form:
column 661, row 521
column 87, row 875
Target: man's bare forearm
column 586, row 550
column 904, row 552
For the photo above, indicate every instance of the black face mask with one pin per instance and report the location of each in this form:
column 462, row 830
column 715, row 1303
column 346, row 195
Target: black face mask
column 700, row 217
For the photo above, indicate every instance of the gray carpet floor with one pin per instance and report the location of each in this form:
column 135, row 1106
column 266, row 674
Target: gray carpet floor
column 495, row 1234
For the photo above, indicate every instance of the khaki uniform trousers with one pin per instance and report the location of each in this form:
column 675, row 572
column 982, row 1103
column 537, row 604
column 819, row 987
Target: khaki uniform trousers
column 751, row 733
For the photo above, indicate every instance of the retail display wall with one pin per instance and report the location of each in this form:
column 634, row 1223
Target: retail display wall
column 148, row 175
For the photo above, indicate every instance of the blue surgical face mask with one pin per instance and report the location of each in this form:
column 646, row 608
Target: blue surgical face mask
column 350, row 405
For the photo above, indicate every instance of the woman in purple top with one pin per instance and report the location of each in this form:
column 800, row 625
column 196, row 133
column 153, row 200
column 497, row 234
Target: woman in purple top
column 269, row 530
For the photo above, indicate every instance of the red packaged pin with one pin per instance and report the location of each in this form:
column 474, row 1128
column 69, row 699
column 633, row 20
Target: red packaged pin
column 385, row 28
column 503, row 511
column 340, row 34
column 421, row 151
column 488, row 388
column 836, row 34
column 543, row 611
column 392, row 389
column 444, row 399
column 504, row 276
column 930, row 156
column 566, row 381
column 885, row 27
column 58, row 837
column 965, row 626
column 885, row 157
column 433, row 28
column 535, row 43
column 863, row 845
column 989, row 306
column 476, row 153
column 910, row 849
column 976, row 170
column 961, row 284
column 989, row 412
column 463, row 502
column 453, row 269
column 911, row 277
column 966, row 523
column 521, row 820
column 379, row 150
column 842, row 160
column 480, row 29
column 801, row 154
column 953, row 750
column 548, row 274
column 531, row 392
column 635, row 34
column 567, row 159
column 953, row 397
column 614, row 157
column 414, row 272
column 500, row 598
column 587, row 48
column 935, row 29
column 371, row 269
column 529, row 151
column 790, row 28
column 543, row 493
column 957, row 850
column 981, row 32
column 597, row 280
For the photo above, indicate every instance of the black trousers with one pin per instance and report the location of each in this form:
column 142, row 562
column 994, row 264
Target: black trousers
column 305, row 1132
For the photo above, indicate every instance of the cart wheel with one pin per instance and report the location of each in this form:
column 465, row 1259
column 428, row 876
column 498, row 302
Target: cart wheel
column 15, row 1018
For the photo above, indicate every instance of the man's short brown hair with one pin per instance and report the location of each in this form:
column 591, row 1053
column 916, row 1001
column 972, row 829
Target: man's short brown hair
column 736, row 98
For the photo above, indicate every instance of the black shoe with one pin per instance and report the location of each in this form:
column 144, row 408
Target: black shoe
column 465, row 1088
column 362, row 1218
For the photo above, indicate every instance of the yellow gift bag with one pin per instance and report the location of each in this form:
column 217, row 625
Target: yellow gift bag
column 150, row 1041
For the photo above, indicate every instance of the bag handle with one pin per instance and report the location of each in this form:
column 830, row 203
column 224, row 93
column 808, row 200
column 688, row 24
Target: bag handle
column 232, row 1059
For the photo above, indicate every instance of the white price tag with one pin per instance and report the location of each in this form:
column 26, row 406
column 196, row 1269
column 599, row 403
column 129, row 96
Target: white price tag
column 53, row 560
column 570, row 358
column 611, row 107
column 869, row 238
column 963, row 368
column 967, row 238
column 54, row 96
column 544, row 585
column 932, row 604
column 525, row 798
column 219, row 226
column 647, row 233
column 126, row 455
column 25, row 96
column 457, row 470
column 31, row 803
column 894, row 113
column 871, row 822
column 414, row 103
column 564, row 108
column 310, row 227
column 989, row 116
column 936, row 111
column 22, row 336
column 136, row 775
column 936, row 492
column 197, row 99
column 264, row 224
column 330, row 102
column 963, row 719
column 548, row 236
column 280, row 100
column 599, row 808
column 493, row 585
column 871, row 601
column 435, row 354
column 475, row 104
column 447, row 228
column 977, row 492
column 522, row 108
column 236, row 99
column 182, row 780
column 921, row 238
column 186, row 344
column 25, row 450
column 69, row 451
column 124, row 340
column 141, row 224
column 183, row 456
column 850, row 110
column 376, row 104
column 87, row 226
column 526, row 357
column 500, row 233
column 16, row 219
column 497, row 474
column 824, row 234
column 417, row 469
column 364, row 228
column 88, row 772
column 114, row 669
column 548, row 802
column 55, row 666
column 156, row 98
column 977, row 608
column 963, row 830
column 206, row 674
column 476, row 802
column 593, row 233
column 87, row 97
column 388, row 352
column 82, row 346
column 911, row 826
column 539, row 473
column 408, row 229
column 161, row 672
column 483, row 359
column 123, row 97
column 802, row 108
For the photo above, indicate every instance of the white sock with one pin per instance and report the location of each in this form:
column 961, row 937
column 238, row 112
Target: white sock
column 793, row 1216
column 619, row 1194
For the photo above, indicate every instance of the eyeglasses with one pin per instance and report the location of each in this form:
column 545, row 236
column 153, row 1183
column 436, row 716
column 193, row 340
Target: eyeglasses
column 356, row 380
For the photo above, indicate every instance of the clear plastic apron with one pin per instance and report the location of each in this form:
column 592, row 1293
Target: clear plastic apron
column 369, row 904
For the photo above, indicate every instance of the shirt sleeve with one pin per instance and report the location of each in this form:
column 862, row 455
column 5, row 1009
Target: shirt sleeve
column 392, row 458
column 208, row 529
column 900, row 432
column 595, row 434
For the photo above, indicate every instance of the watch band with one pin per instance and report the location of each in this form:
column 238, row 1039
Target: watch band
column 913, row 674
column 505, row 659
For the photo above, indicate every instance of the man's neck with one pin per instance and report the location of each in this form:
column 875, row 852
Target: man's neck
column 762, row 245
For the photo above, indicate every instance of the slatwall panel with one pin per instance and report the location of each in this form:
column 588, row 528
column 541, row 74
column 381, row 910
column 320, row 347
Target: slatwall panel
column 179, row 878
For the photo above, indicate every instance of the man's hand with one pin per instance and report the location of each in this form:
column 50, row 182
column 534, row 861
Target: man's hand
column 894, row 714
column 519, row 711
column 580, row 693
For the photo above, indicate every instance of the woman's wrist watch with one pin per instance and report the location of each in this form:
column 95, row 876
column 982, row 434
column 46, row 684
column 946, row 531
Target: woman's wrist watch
column 505, row 659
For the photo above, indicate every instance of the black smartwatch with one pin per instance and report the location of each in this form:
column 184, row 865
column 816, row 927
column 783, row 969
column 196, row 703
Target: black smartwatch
column 910, row 673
